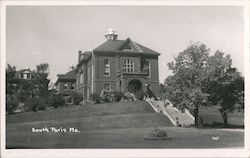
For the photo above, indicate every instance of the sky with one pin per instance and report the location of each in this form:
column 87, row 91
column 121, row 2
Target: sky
column 54, row 34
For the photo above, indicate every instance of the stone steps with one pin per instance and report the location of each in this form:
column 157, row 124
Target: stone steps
column 184, row 119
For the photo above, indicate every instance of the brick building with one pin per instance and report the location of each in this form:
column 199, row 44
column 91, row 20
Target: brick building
column 66, row 85
column 119, row 65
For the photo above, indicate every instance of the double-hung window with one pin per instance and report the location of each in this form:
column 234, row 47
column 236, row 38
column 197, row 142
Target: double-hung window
column 106, row 67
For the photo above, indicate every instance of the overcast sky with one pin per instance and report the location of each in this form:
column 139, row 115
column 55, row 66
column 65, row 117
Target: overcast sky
column 54, row 34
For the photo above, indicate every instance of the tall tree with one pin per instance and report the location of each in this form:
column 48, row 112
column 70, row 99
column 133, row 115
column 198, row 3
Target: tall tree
column 224, row 84
column 200, row 79
column 185, row 85
column 42, row 68
column 41, row 74
column 10, row 79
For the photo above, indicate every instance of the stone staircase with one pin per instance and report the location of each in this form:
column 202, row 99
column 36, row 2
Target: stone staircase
column 185, row 119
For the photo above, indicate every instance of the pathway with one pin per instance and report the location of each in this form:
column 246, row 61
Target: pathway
column 184, row 118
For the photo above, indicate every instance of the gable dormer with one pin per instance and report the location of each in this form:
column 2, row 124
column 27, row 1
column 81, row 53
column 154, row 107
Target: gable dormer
column 130, row 45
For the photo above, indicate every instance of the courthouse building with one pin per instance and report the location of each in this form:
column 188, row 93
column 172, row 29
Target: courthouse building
column 118, row 65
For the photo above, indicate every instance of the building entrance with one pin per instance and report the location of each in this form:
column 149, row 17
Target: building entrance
column 134, row 85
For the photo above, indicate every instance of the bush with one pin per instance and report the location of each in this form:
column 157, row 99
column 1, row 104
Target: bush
column 139, row 94
column 95, row 98
column 77, row 98
column 158, row 134
column 129, row 96
column 32, row 104
column 11, row 103
column 106, row 95
column 55, row 101
column 42, row 104
column 118, row 96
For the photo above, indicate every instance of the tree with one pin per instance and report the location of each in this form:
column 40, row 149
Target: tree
column 185, row 85
column 41, row 74
column 200, row 79
column 42, row 68
column 224, row 84
column 10, row 74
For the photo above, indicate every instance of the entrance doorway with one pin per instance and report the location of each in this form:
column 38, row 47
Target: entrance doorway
column 134, row 86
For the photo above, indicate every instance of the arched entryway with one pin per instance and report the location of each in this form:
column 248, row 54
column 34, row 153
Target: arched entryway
column 134, row 85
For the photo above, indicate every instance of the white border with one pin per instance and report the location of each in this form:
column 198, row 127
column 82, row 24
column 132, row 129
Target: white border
column 125, row 152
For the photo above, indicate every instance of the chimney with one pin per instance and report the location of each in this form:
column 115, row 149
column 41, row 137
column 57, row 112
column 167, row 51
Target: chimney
column 79, row 55
column 111, row 34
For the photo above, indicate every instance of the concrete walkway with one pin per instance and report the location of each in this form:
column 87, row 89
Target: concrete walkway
column 184, row 118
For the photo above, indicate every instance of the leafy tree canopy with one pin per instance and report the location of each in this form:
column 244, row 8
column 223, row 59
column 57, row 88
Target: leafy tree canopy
column 200, row 79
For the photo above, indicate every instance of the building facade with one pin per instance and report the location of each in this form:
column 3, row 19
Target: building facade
column 118, row 65
column 66, row 85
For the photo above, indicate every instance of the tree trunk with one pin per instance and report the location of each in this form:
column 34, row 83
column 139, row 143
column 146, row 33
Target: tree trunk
column 196, row 116
column 224, row 117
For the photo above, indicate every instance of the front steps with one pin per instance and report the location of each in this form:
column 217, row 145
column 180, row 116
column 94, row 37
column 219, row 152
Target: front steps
column 185, row 119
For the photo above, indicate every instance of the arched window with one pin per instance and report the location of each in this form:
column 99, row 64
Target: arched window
column 128, row 66
column 106, row 67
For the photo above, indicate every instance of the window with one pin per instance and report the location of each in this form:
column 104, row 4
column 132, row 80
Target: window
column 107, row 86
column 81, row 78
column 70, row 100
column 89, row 72
column 65, row 86
column 21, row 76
column 28, row 76
column 72, row 86
column 106, row 67
column 88, row 92
column 148, row 68
column 128, row 47
column 128, row 66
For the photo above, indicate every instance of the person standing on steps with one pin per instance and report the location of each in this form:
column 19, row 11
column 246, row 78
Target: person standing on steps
column 177, row 122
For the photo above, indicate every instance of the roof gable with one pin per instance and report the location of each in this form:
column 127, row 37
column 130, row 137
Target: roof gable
column 130, row 45
column 120, row 46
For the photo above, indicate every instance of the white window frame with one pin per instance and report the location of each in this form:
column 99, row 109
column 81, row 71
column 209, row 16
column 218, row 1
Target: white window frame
column 129, row 66
column 64, row 87
column 25, row 76
column 81, row 78
column 106, row 66
column 149, row 69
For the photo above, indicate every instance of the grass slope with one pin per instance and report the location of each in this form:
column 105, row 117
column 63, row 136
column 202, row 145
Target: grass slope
column 114, row 125
column 210, row 115
column 82, row 111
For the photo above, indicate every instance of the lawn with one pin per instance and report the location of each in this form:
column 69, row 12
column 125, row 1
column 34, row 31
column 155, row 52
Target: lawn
column 210, row 115
column 115, row 125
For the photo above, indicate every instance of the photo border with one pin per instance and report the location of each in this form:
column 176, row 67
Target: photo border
column 232, row 152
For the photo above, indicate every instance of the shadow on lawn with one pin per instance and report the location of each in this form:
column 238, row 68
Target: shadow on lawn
column 221, row 125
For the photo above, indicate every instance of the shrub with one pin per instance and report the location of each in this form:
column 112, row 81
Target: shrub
column 139, row 94
column 42, row 104
column 11, row 103
column 55, row 101
column 32, row 104
column 77, row 98
column 118, row 96
column 106, row 95
column 95, row 98
column 158, row 134
column 129, row 96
